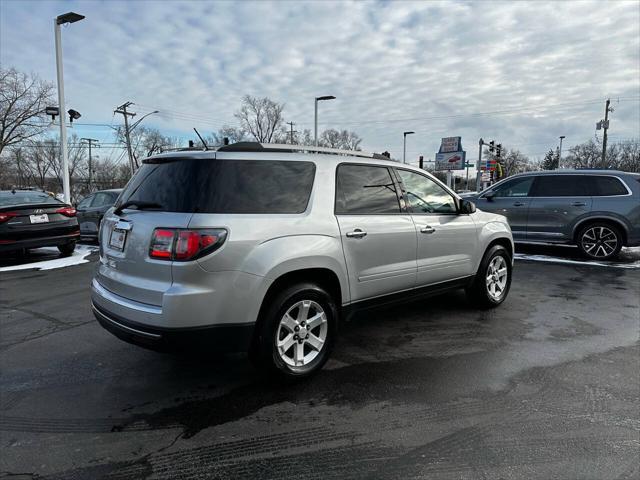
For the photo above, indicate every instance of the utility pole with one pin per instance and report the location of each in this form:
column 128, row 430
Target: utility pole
column 562, row 137
column 478, row 167
column 90, row 141
column 605, row 126
column 123, row 110
column 292, row 130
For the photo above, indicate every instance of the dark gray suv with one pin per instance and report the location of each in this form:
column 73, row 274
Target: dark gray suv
column 597, row 210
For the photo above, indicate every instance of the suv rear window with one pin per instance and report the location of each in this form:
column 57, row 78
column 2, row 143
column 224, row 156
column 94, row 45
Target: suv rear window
column 205, row 185
column 607, row 186
column 562, row 186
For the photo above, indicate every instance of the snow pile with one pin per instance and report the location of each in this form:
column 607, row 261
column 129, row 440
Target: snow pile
column 78, row 257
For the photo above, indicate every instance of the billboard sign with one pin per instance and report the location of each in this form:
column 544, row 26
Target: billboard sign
column 450, row 161
column 450, row 144
column 451, row 156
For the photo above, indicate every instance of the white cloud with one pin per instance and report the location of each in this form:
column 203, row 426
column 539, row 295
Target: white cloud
column 385, row 61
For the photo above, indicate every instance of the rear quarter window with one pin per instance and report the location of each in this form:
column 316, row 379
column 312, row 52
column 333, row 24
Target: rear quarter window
column 206, row 185
column 605, row 186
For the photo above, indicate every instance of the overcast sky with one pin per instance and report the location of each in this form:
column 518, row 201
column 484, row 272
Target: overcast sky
column 522, row 73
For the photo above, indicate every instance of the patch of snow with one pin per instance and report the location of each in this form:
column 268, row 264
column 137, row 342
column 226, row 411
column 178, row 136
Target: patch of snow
column 78, row 257
column 550, row 259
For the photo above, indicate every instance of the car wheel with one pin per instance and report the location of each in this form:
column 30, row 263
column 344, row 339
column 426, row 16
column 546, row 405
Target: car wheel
column 67, row 249
column 599, row 241
column 296, row 333
column 493, row 279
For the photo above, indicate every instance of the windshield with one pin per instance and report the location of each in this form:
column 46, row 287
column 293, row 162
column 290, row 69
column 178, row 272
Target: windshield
column 26, row 198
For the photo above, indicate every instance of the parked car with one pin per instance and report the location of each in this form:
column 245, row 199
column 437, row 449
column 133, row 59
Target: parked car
column 264, row 249
column 32, row 219
column 597, row 210
column 91, row 210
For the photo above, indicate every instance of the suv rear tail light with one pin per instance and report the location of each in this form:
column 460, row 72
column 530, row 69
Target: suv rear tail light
column 67, row 211
column 183, row 245
column 6, row 216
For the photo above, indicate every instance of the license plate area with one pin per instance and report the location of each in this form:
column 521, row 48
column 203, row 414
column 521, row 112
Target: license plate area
column 117, row 239
column 42, row 218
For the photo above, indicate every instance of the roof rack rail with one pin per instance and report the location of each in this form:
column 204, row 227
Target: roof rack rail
column 282, row 147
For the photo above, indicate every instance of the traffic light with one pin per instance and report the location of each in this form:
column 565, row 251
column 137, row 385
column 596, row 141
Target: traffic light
column 421, row 159
column 190, row 143
column 492, row 146
column 498, row 151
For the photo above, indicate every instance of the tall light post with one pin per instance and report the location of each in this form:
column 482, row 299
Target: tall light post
column 404, row 145
column 315, row 123
column 560, row 151
column 70, row 17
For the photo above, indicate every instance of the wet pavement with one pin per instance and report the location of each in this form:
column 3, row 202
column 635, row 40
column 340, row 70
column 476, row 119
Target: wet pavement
column 546, row 386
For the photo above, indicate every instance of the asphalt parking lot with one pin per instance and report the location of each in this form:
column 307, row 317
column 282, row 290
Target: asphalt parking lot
column 546, row 386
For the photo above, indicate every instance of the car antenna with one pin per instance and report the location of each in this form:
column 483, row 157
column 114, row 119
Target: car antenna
column 201, row 139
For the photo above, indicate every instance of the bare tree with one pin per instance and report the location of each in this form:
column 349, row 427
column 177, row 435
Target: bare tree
column 234, row 134
column 344, row 139
column 49, row 150
column 145, row 141
column 23, row 99
column 260, row 117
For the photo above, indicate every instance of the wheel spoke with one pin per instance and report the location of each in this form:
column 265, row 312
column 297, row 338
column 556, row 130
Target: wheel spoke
column 289, row 322
column 298, row 353
column 589, row 235
column 285, row 344
column 318, row 319
column 502, row 272
column 589, row 248
column 315, row 342
column 303, row 312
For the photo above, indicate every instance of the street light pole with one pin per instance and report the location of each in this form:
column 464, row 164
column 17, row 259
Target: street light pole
column 404, row 145
column 60, row 20
column 560, row 151
column 315, row 122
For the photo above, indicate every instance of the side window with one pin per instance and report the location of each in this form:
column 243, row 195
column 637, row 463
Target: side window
column 562, row 186
column 362, row 189
column 608, row 186
column 86, row 202
column 101, row 199
column 518, row 187
column 424, row 195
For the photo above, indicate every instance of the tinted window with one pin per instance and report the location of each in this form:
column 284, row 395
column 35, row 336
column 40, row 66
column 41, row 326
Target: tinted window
column 608, row 186
column 365, row 190
column 562, row 186
column 85, row 203
column 424, row 195
column 223, row 186
column 518, row 187
column 25, row 198
column 101, row 199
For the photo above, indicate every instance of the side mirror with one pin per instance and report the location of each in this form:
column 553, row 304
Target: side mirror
column 489, row 195
column 467, row 207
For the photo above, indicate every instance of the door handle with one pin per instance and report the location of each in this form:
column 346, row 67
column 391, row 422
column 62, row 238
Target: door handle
column 518, row 204
column 578, row 204
column 357, row 233
column 427, row 229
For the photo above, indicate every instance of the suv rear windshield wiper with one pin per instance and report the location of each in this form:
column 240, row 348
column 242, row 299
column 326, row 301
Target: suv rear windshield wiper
column 141, row 205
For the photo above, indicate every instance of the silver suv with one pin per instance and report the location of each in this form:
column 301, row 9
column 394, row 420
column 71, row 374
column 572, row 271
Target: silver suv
column 597, row 210
column 264, row 248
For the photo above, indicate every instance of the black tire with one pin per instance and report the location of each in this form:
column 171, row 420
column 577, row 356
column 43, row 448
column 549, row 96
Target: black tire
column 264, row 353
column 67, row 249
column 603, row 235
column 479, row 291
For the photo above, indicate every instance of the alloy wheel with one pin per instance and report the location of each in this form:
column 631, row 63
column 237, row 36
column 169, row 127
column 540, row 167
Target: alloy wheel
column 496, row 277
column 302, row 333
column 599, row 241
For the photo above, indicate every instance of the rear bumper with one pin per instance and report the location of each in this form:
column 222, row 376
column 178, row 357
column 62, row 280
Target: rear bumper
column 9, row 245
column 219, row 338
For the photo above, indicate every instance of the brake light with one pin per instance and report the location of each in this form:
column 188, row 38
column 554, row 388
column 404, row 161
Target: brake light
column 161, row 244
column 67, row 211
column 183, row 245
column 6, row 216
